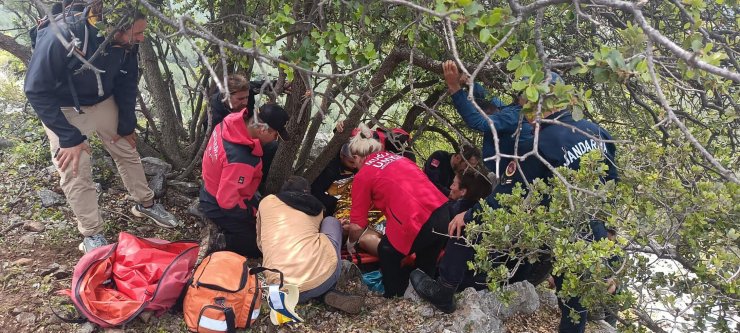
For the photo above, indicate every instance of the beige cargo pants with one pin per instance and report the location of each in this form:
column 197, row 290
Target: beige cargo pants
column 101, row 118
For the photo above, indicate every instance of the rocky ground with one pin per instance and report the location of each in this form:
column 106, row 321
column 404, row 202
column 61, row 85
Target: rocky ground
column 38, row 250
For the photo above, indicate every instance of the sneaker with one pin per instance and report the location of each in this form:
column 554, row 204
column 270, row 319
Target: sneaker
column 431, row 290
column 156, row 213
column 92, row 242
column 348, row 303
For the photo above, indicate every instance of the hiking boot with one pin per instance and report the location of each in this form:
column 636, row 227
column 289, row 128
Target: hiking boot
column 345, row 302
column 350, row 278
column 92, row 242
column 157, row 214
column 439, row 294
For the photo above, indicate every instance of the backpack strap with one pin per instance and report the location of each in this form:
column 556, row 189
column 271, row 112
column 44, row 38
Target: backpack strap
column 257, row 270
column 230, row 320
column 78, row 320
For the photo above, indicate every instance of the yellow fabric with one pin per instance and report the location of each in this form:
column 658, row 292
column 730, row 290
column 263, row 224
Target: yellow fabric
column 290, row 242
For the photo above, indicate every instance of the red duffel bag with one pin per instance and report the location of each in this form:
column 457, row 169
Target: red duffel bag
column 113, row 284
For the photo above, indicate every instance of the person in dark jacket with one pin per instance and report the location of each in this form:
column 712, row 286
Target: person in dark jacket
column 441, row 167
column 505, row 120
column 339, row 168
column 416, row 212
column 73, row 105
column 467, row 188
column 232, row 171
column 560, row 146
column 241, row 95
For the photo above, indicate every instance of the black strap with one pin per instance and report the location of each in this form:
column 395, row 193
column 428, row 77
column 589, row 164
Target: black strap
column 79, row 320
column 257, row 270
column 73, row 91
column 230, row 320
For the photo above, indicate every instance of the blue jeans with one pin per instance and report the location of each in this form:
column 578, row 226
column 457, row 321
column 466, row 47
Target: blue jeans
column 330, row 227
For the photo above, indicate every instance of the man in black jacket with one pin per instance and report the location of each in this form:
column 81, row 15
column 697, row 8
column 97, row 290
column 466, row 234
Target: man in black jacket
column 441, row 167
column 73, row 105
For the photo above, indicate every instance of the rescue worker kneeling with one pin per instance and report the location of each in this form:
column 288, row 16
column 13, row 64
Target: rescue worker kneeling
column 296, row 239
column 416, row 211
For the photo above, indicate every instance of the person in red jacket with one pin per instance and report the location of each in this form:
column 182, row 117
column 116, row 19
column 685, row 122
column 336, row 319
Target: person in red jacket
column 416, row 212
column 232, row 171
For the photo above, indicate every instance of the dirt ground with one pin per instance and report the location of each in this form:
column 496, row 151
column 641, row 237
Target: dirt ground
column 36, row 265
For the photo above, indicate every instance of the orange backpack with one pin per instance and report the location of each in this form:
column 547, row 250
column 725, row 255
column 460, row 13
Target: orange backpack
column 224, row 294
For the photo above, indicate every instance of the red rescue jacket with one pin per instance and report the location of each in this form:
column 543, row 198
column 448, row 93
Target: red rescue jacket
column 396, row 186
column 232, row 169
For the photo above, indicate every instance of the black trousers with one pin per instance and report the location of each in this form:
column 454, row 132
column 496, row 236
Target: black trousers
column 427, row 247
column 240, row 235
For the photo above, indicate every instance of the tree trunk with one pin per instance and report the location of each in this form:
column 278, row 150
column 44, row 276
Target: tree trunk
column 417, row 110
column 9, row 44
column 299, row 108
column 170, row 128
column 390, row 63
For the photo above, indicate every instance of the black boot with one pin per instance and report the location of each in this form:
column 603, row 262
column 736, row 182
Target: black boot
column 433, row 291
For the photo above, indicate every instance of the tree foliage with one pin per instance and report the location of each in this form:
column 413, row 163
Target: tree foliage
column 661, row 76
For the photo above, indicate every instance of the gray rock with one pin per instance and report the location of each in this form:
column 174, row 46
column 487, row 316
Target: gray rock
column 184, row 187
column 525, row 300
column 50, row 170
column 157, row 184
column 145, row 316
column 34, row 226
column 154, row 166
column 28, row 239
column 426, row 311
column 5, row 144
column 62, row 273
column 48, row 270
column 471, row 317
column 50, row 198
column 548, row 299
column 410, row 294
column 175, row 199
column 87, row 327
column 16, row 311
column 26, row 318
column 600, row 326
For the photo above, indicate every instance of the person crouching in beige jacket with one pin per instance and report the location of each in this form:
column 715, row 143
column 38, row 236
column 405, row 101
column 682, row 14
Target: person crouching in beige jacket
column 296, row 239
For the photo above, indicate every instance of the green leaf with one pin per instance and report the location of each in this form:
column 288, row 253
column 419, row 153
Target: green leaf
column 696, row 44
column 519, row 85
column 463, row 3
column 288, row 71
column 485, row 35
column 513, row 64
column 532, row 93
column 577, row 113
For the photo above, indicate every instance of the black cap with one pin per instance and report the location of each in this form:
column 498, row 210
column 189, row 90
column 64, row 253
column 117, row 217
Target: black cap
column 275, row 117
